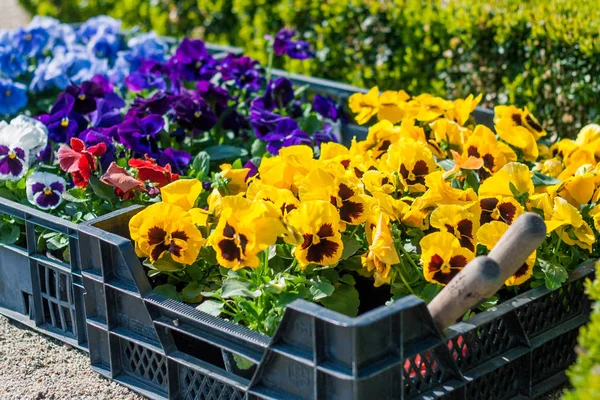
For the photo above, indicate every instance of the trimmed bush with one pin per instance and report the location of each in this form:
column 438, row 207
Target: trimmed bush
column 543, row 54
column 585, row 373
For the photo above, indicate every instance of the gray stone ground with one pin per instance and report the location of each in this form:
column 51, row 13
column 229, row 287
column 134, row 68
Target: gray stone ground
column 36, row 367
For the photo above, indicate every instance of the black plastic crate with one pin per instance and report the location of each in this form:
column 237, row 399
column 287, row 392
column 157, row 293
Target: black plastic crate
column 392, row 352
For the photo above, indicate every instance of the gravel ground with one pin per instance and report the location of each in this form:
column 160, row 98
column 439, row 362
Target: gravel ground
column 37, row 367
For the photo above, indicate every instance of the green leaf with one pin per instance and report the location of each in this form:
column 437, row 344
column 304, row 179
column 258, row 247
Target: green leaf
column 321, row 289
column 168, row 290
column 167, row 264
column 540, row 179
column 555, row 274
column 9, row 233
column 8, row 194
column 513, row 189
column 225, row 152
column 351, row 246
column 57, row 242
column 429, row 292
column 242, row 363
column 209, row 255
column 102, row 190
column 259, row 148
column 284, row 251
column 344, row 300
column 235, row 288
column 311, row 124
column 349, row 279
column 446, row 164
column 192, row 293
column 201, row 163
column 76, row 195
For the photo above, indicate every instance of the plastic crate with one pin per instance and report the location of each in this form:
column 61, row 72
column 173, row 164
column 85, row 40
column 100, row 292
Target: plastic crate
column 166, row 349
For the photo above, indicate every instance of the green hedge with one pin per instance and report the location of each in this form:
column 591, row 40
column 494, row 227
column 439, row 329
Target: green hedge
column 585, row 373
column 543, row 54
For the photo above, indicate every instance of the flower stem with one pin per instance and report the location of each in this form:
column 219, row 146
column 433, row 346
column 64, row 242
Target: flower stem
column 410, row 260
column 404, row 279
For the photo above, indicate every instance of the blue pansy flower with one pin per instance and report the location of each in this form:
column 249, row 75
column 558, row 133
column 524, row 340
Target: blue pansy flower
column 93, row 25
column 13, row 97
column 12, row 62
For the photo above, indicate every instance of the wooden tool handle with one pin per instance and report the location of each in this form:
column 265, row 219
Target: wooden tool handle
column 485, row 275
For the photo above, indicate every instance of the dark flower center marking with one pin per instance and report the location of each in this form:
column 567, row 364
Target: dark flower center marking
column 325, row 248
column 533, row 123
column 345, row 163
column 521, row 271
column 419, row 171
column 230, row 251
column 493, row 210
column 473, row 152
column 156, row 235
column 359, row 174
column 517, row 119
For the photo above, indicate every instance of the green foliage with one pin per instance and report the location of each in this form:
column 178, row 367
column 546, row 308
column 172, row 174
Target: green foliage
column 539, row 54
column 585, row 373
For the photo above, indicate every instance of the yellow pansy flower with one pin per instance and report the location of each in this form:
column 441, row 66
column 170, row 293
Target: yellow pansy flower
column 518, row 137
column 318, row 226
column 511, row 116
column 391, row 105
column 431, row 107
column 283, row 199
column 458, row 221
column 439, row 191
column 379, row 138
column 237, row 178
column 489, row 235
column 448, row 133
column 595, row 214
column 505, row 209
column 541, row 202
column 379, row 182
column 512, row 174
column 412, row 161
column 280, row 171
column 588, row 134
column 577, row 190
column 365, row 105
column 382, row 252
column 483, row 144
column 443, row 257
column 182, row 192
column 551, row 167
column 463, row 108
column 166, row 228
column 245, row 229
column 569, row 225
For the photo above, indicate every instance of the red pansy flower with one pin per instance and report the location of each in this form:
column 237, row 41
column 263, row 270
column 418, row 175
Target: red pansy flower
column 148, row 170
column 80, row 161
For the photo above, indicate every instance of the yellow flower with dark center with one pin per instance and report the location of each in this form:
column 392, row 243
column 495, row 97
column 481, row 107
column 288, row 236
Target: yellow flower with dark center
column 348, row 199
column 237, row 178
column 439, row 191
column 431, row 107
column 281, row 171
column 379, row 182
column 511, row 116
column 577, row 190
column 513, row 175
column 166, row 228
column 412, row 161
column 563, row 148
column 566, row 220
column 551, row 167
column 588, row 134
column 489, row 235
column 379, row 138
column 463, row 108
column 505, row 209
column 283, row 199
column 365, row 105
column 518, row 137
column 482, row 144
column 245, row 229
column 391, row 105
column 395, row 209
column 382, row 252
column 458, row 221
column 318, row 226
column 443, row 257
column 182, row 192
column 448, row 134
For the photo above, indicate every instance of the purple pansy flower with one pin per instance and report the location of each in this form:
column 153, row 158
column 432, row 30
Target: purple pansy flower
column 286, row 134
column 85, row 95
column 284, row 44
column 262, row 121
column 325, row 135
column 63, row 122
column 246, row 72
column 140, row 134
column 253, row 169
column 178, row 159
column 327, row 107
column 105, row 115
column 160, row 103
column 148, row 76
column 215, row 96
column 45, row 190
column 191, row 61
column 278, row 94
column 194, row 114
column 14, row 161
